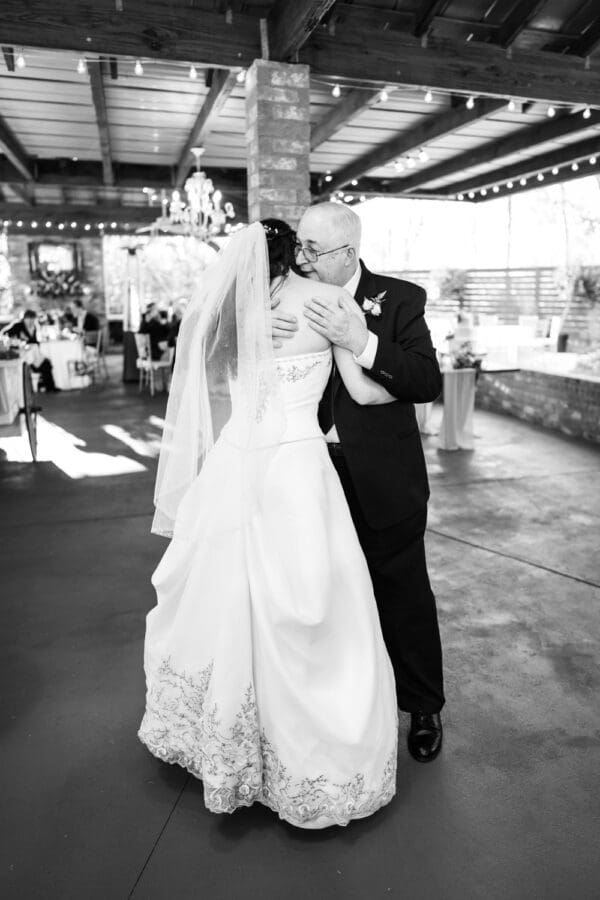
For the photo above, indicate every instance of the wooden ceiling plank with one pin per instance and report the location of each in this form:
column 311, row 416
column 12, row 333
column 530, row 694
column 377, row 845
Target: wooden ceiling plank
column 426, row 13
column 450, row 65
column 291, row 25
column 517, row 20
column 495, row 150
column 353, row 103
column 527, row 168
column 14, row 150
column 222, row 84
column 431, row 129
column 144, row 28
column 590, row 40
column 99, row 101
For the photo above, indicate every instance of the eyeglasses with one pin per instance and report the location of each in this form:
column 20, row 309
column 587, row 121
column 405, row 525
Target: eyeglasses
column 312, row 256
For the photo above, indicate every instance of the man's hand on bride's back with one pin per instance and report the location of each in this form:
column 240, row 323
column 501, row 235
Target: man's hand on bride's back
column 338, row 319
column 283, row 325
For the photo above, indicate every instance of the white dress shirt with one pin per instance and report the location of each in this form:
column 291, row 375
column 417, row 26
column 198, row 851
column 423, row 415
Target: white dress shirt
column 367, row 358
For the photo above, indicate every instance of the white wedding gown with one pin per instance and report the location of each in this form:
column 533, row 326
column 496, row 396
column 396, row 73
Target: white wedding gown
column 267, row 675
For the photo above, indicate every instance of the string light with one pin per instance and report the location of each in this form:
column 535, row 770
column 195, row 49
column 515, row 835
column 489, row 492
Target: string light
column 241, row 76
column 587, row 112
column 509, row 185
column 540, row 176
column 555, row 170
column 384, row 96
column 193, row 73
column 87, row 226
column 138, row 68
column 61, row 226
column 48, row 224
column 20, row 61
column 428, row 96
column 362, row 198
column 399, row 165
column 81, row 66
column 410, row 163
column 423, row 155
column 113, row 224
column 523, row 182
column 495, row 189
column 470, row 102
column 550, row 112
column 348, row 198
column 328, row 176
column 511, row 105
column 34, row 224
column 575, row 167
column 100, row 224
column 336, row 91
column 483, row 192
column 461, row 197
column 19, row 224
column 592, row 160
column 471, row 195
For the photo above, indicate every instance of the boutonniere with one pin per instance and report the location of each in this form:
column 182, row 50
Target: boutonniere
column 372, row 305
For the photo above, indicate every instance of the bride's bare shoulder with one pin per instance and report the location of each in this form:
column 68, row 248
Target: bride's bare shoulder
column 305, row 288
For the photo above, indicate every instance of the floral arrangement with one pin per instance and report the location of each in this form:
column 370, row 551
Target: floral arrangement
column 58, row 284
column 466, row 358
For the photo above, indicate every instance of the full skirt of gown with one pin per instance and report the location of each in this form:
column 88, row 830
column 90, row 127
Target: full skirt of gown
column 267, row 676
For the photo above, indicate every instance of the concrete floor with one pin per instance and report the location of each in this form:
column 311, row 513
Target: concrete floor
column 510, row 809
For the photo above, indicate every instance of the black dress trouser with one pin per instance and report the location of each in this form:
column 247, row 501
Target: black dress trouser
column 407, row 612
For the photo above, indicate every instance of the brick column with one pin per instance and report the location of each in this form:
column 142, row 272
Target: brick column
column 278, row 140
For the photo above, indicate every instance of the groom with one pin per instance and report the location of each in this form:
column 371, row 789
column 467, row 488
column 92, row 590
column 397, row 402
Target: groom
column 377, row 450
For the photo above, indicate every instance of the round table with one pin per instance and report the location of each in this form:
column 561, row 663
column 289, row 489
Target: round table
column 60, row 354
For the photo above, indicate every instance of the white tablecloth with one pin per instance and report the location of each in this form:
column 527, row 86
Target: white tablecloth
column 60, row 354
column 11, row 389
column 456, row 430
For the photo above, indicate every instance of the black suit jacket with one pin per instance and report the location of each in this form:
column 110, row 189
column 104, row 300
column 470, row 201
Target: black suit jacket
column 382, row 444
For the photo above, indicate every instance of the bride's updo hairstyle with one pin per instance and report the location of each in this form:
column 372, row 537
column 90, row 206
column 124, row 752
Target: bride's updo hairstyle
column 281, row 243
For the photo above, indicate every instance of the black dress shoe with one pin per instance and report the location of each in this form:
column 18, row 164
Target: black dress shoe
column 425, row 736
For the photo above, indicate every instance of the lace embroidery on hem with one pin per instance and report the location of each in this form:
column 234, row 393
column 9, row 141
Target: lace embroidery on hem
column 242, row 767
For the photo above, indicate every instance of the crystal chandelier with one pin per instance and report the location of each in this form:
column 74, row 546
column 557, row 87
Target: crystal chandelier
column 201, row 214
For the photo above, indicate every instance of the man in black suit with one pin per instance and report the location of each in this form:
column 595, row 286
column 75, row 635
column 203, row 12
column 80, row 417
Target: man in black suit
column 25, row 330
column 377, row 450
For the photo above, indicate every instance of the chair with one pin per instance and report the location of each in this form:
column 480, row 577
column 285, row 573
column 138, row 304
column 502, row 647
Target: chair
column 148, row 367
column 93, row 361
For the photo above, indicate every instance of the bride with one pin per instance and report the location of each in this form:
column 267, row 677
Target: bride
column 267, row 676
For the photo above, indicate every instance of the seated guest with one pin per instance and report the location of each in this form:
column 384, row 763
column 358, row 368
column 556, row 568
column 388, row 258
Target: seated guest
column 88, row 323
column 158, row 330
column 25, row 330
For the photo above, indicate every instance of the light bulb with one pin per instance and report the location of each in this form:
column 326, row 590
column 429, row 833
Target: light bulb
column 48, row 224
column 511, row 105
column 73, row 224
column 399, row 165
column 555, row 170
column 592, row 160
column 362, row 198
column 428, row 96
column 20, row 61
column 461, row 197
column 384, row 96
column 471, row 195
column 87, row 227
column 329, row 177
column 241, row 76
column 410, row 162
column 587, row 112
column 138, row 68
column 348, row 198
column 509, row 185
column 193, row 72
column 483, row 192
column 540, row 176
column 495, row 189
column 354, row 182
column 19, row 224
column 336, row 91
column 61, row 226
column 575, row 167
column 550, row 112
column 34, row 224
column 113, row 224
column 523, row 182
column 81, row 66
column 423, row 155
column 470, row 103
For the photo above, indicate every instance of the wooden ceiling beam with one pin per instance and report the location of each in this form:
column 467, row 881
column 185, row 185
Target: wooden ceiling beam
column 12, row 148
column 222, row 83
column 518, row 19
column 292, row 24
column 451, row 65
column 431, row 128
column 150, row 29
column 590, row 40
column 493, row 151
column 99, row 101
column 527, row 168
column 354, row 102
column 426, row 13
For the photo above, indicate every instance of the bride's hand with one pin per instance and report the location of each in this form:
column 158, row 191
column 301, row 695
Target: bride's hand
column 283, row 326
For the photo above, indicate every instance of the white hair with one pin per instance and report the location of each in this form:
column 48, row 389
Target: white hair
column 341, row 220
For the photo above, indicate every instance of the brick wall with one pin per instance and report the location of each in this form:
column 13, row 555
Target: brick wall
column 567, row 404
column 92, row 277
